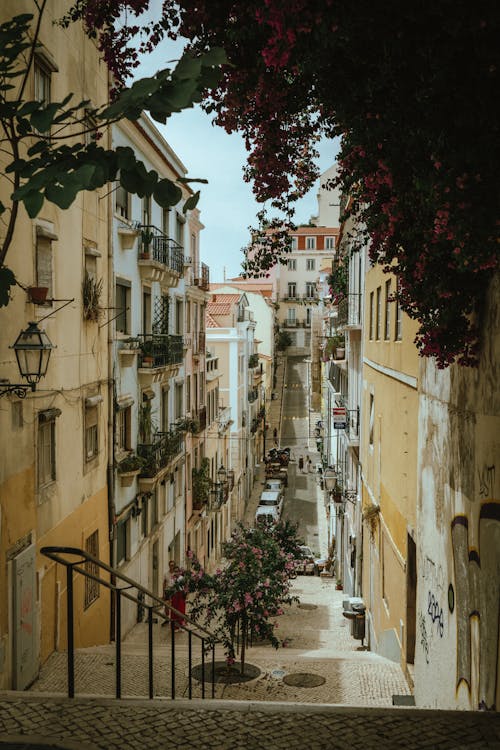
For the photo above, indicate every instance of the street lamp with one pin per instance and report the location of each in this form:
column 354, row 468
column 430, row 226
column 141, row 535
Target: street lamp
column 33, row 348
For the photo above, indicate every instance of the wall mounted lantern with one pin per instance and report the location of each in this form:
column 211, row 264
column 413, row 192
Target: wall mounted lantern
column 33, row 348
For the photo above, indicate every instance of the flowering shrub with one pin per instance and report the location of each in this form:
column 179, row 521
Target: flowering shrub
column 242, row 599
column 412, row 91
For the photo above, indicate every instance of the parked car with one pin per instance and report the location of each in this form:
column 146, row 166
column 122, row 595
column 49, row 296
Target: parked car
column 267, row 514
column 272, row 498
column 305, row 563
column 274, row 484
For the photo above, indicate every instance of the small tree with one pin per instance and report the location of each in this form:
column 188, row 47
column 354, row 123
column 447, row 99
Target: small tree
column 283, row 340
column 242, row 599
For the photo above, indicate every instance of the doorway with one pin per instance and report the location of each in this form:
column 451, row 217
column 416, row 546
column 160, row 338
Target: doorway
column 411, row 599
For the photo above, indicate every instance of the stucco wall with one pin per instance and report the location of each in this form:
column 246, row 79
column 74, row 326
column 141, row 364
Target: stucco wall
column 458, row 548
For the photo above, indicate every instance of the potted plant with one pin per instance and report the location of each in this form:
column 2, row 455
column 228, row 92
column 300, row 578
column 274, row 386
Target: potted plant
column 91, row 295
column 147, row 350
column 128, row 468
column 38, row 294
column 146, row 237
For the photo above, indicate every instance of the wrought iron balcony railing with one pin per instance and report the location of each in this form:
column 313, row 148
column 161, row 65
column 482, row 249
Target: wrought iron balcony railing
column 202, row 280
column 160, row 350
column 154, row 245
column 160, row 452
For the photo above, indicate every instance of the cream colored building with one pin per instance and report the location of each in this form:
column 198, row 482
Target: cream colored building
column 54, row 443
column 388, row 456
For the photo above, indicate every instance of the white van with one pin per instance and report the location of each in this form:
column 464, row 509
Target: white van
column 272, row 498
column 267, row 514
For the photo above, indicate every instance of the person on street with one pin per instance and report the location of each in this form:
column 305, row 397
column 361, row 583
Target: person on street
column 178, row 600
column 301, row 463
column 168, row 582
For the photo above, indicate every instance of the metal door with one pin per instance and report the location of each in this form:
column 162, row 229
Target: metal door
column 24, row 642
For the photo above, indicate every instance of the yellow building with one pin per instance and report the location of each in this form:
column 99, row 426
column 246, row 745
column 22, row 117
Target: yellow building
column 54, row 443
column 388, row 457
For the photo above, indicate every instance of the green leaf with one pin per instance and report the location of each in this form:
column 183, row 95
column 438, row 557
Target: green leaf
column 7, row 279
column 2, row 208
column 167, row 193
column 33, row 202
column 214, row 56
column 42, row 119
column 28, row 108
column 191, row 202
column 187, row 67
column 61, row 196
column 130, row 181
column 187, row 180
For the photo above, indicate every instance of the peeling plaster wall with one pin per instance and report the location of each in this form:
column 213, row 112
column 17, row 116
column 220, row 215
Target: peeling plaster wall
column 458, row 518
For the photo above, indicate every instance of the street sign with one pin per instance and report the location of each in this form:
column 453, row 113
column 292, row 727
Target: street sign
column 339, row 425
column 339, row 413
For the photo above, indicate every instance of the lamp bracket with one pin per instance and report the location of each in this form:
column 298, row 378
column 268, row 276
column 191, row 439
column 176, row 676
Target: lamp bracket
column 19, row 389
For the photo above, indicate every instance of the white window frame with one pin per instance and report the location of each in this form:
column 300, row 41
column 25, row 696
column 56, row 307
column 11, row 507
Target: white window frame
column 46, row 453
column 310, row 243
column 329, row 243
column 310, row 264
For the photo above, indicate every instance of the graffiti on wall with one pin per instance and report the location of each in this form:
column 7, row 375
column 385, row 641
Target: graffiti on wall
column 477, row 593
column 424, row 640
column 435, row 612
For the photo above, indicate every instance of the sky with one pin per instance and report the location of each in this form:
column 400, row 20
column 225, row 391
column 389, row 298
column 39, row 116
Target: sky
column 226, row 204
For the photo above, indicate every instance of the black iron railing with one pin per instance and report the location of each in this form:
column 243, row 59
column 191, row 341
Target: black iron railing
column 160, row 350
column 78, row 561
column 156, row 455
column 154, row 245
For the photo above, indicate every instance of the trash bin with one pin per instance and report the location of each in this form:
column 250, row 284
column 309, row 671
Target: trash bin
column 354, row 610
column 358, row 622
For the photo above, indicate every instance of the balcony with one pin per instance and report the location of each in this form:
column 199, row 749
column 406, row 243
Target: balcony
column 160, row 350
column 290, row 323
column 160, row 258
column 350, row 311
column 290, row 298
column 158, row 454
column 224, row 418
column 202, row 279
column 201, row 418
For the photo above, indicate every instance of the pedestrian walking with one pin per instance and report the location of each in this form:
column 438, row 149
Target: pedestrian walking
column 309, row 465
column 178, row 599
column 301, row 463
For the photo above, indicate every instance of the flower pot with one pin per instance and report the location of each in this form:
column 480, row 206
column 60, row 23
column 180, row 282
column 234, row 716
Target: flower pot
column 147, row 362
column 38, row 294
column 127, row 477
column 339, row 353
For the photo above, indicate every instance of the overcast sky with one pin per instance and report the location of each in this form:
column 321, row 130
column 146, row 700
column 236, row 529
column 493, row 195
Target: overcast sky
column 226, row 204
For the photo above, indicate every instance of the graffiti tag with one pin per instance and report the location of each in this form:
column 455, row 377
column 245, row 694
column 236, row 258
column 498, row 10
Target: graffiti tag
column 436, row 613
column 424, row 641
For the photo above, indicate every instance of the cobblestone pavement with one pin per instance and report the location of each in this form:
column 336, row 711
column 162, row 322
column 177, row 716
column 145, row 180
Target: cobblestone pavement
column 227, row 725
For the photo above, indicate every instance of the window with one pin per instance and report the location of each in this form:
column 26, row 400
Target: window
column 292, row 264
column 91, row 433
column 164, row 410
column 291, row 316
column 122, row 304
column 188, row 317
column 188, row 393
column 179, row 318
column 294, row 244
column 123, row 428
column 154, row 508
column 371, row 317
column 387, row 321
column 44, row 264
column 193, row 247
column 91, row 586
column 42, row 82
column 46, row 450
column 310, row 243
column 145, row 516
column 121, row 541
column 310, row 264
column 292, row 290
column 146, row 210
column 178, row 401
column 378, row 325
column 398, row 333
column 308, row 316
column 371, row 420
column 165, row 221
column 179, row 230
column 146, row 311
column 310, row 289
column 329, row 243
column 122, row 202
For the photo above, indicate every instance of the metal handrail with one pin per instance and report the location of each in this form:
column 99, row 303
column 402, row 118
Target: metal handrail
column 156, row 606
